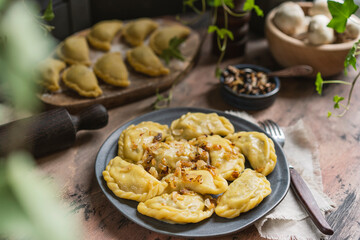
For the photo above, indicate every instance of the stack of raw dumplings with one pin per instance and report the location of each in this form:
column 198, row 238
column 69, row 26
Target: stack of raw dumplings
column 110, row 68
column 175, row 172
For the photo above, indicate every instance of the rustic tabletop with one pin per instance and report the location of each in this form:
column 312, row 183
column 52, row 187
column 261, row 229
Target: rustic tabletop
column 338, row 138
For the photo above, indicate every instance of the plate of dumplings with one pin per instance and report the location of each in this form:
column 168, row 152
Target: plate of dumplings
column 115, row 61
column 192, row 172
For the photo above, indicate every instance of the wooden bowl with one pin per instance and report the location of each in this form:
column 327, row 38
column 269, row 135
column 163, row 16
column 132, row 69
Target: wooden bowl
column 288, row 51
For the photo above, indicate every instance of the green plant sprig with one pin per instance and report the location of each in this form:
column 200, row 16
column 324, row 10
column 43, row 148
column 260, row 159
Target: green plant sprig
column 341, row 12
column 222, row 34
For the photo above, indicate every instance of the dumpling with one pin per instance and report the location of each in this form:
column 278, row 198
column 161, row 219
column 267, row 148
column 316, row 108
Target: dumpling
column 112, row 70
column 133, row 140
column 176, row 208
column 258, row 149
column 193, row 125
column 49, row 71
column 102, row 34
column 131, row 181
column 144, row 60
column 82, row 80
column 159, row 40
column 200, row 181
column 136, row 31
column 225, row 157
column 164, row 156
column 74, row 50
column 245, row 193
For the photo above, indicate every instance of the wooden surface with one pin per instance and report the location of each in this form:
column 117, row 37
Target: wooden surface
column 339, row 141
column 140, row 85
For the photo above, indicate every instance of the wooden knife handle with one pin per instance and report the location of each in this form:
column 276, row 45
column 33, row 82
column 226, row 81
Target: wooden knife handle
column 305, row 196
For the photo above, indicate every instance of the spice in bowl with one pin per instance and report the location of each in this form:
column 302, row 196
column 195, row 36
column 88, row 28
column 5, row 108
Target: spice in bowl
column 247, row 81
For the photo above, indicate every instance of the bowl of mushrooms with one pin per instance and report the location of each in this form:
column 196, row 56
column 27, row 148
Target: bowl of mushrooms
column 297, row 34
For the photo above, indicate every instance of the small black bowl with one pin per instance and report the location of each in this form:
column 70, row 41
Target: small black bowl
column 246, row 101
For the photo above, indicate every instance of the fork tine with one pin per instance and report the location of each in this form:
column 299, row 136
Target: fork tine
column 269, row 129
column 280, row 131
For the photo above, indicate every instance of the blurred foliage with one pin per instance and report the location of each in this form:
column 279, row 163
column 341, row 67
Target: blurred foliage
column 28, row 204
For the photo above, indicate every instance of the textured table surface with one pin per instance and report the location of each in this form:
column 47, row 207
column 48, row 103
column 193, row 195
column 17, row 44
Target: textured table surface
column 338, row 138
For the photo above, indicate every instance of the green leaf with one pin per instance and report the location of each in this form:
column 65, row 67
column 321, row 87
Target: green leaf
column 189, row 3
column 250, row 5
column 340, row 13
column 49, row 13
column 351, row 57
column 218, row 3
column 221, row 32
column 336, row 100
column 173, row 50
column 319, row 83
column 329, row 114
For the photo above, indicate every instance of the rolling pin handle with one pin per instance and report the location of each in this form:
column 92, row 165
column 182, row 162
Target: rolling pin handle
column 93, row 117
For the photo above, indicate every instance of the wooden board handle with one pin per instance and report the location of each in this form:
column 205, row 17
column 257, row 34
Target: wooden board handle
column 49, row 131
column 305, row 196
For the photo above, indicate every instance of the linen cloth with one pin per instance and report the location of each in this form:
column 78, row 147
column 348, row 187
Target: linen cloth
column 289, row 220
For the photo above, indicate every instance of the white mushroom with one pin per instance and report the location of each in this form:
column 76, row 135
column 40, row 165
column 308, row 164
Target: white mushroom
column 318, row 32
column 352, row 30
column 320, row 7
column 290, row 18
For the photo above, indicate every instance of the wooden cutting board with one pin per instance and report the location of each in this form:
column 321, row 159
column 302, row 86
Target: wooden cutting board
column 141, row 85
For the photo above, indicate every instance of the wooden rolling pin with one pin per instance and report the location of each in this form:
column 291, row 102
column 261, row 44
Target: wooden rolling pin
column 50, row 131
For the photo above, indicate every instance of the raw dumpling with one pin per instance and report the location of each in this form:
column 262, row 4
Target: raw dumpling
column 144, row 60
column 200, row 181
column 136, row 31
column 74, row 50
column 112, row 70
column 177, row 208
column 192, row 125
column 258, row 149
column 160, row 39
column 223, row 154
column 102, row 34
column 245, row 193
column 133, row 140
column 82, row 80
column 131, row 181
column 49, row 71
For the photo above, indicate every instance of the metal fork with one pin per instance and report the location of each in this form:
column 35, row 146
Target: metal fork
column 300, row 188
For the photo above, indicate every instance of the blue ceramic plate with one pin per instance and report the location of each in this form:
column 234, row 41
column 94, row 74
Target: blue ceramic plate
column 214, row 226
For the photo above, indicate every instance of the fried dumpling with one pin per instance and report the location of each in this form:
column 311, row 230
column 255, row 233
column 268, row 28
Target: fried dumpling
column 133, row 139
column 82, row 80
column 131, row 181
column 102, row 33
column 177, row 208
column 200, row 181
column 258, row 149
column 159, row 40
column 112, row 70
column 136, row 31
column 243, row 194
column 192, row 125
column 144, row 60
column 49, row 72
column 225, row 157
column 74, row 50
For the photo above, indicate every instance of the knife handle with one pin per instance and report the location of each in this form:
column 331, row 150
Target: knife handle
column 305, row 196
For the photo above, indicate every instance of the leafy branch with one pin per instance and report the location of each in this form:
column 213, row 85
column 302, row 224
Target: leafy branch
column 222, row 34
column 340, row 13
